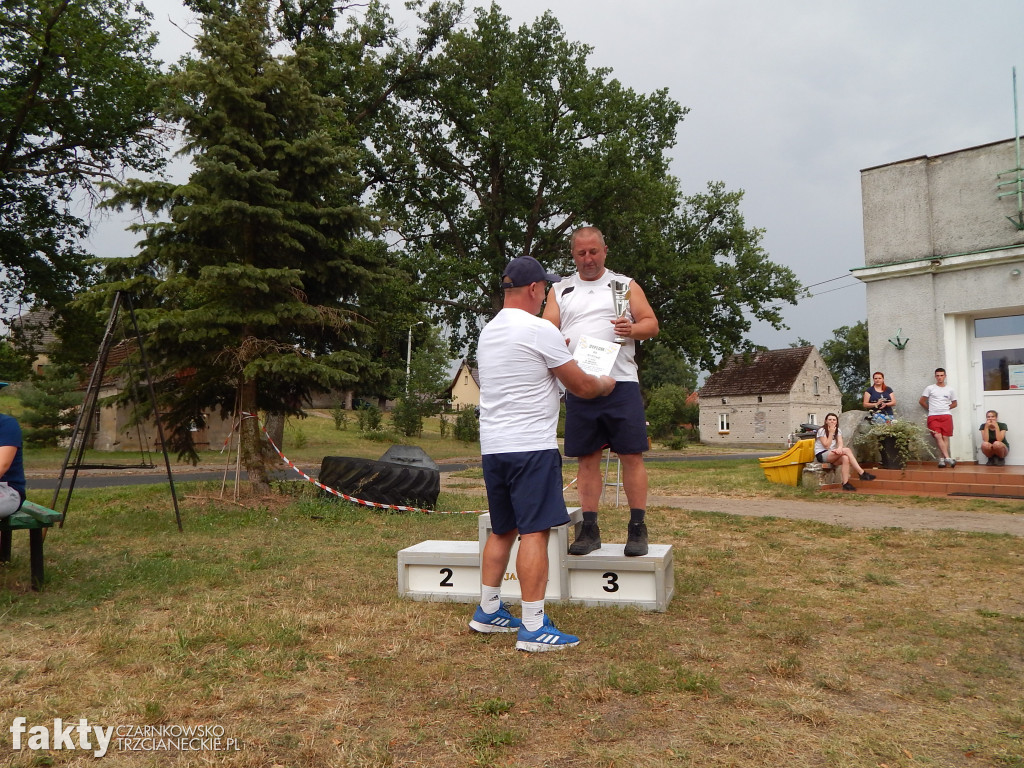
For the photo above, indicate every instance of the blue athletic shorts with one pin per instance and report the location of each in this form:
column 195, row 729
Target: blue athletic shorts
column 616, row 420
column 524, row 491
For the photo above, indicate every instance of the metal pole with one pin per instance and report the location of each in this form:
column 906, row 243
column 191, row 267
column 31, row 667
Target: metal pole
column 408, row 356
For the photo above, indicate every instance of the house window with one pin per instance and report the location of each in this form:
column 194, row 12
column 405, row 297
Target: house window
column 723, row 422
column 759, row 398
column 816, row 385
column 812, row 418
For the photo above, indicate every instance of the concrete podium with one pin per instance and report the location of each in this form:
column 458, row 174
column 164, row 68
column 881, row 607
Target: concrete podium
column 450, row 571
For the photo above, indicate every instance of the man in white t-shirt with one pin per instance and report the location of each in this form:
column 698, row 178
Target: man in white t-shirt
column 521, row 359
column 583, row 305
column 940, row 400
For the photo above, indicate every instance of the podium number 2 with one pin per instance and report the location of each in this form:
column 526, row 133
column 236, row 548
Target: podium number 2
column 447, row 580
column 613, row 581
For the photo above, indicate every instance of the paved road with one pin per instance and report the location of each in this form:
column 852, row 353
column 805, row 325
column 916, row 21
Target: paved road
column 107, row 478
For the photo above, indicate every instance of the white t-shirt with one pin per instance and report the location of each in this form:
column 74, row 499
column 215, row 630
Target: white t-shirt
column 518, row 392
column 819, row 441
column 939, row 399
column 585, row 309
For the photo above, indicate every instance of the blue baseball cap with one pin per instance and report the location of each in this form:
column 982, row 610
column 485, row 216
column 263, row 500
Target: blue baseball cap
column 524, row 270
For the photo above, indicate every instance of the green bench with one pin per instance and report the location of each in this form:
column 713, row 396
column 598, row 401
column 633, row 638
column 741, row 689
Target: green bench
column 35, row 519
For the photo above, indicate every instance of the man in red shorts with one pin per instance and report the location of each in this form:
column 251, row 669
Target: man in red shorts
column 940, row 400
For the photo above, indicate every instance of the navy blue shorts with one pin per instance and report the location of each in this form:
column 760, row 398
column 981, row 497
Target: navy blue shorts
column 616, row 420
column 524, row 491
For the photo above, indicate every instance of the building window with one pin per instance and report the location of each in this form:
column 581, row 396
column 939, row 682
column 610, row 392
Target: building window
column 759, row 398
column 1011, row 325
column 816, row 385
column 723, row 422
column 812, row 418
column 1002, row 369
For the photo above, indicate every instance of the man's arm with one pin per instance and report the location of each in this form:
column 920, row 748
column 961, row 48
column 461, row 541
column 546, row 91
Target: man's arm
column 924, row 402
column 581, row 383
column 952, row 405
column 645, row 323
column 551, row 311
column 7, row 454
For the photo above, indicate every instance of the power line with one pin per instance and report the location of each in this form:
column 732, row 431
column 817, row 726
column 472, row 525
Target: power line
column 830, row 280
column 832, row 290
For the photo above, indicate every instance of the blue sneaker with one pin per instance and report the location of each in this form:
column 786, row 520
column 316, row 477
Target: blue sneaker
column 547, row 638
column 499, row 621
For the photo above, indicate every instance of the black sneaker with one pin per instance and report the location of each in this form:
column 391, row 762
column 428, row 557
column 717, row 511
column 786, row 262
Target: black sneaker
column 992, row 462
column 636, row 540
column 848, row 487
column 587, row 540
column 866, row 476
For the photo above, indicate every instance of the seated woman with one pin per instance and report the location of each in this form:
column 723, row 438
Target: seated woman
column 878, row 398
column 829, row 449
column 993, row 440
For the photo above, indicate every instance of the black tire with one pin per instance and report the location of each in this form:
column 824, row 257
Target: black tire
column 381, row 482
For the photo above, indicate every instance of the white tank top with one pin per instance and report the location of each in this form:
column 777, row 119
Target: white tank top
column 585, row 309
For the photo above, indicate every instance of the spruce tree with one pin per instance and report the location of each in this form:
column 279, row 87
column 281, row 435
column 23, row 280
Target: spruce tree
column 250, row 288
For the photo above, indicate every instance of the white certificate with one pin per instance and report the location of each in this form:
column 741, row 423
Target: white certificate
column 596, row 356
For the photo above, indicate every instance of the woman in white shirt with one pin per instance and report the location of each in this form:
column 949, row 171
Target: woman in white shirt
column 829, row 449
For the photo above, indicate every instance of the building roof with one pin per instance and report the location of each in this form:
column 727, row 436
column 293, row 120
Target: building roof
column 455, row 369
column 768, row 372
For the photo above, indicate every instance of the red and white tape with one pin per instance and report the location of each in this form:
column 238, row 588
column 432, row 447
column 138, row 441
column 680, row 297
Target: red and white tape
column 353, row 499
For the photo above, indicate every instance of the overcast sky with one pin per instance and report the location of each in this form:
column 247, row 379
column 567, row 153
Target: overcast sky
column 789, row 100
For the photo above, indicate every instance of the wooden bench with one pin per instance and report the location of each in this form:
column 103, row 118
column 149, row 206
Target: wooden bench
column 35, row 519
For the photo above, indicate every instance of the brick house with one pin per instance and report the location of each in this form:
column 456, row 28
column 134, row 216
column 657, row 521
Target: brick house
column 764, row 397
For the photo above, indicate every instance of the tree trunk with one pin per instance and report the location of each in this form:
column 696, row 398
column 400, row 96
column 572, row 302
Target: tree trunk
column 275, row 428
column 252, row 450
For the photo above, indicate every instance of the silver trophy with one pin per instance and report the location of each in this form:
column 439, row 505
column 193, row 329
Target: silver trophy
column 620, row 302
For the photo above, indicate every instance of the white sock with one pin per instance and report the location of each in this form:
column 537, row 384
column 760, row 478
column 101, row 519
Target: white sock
column 490, row 601
column 533, row 615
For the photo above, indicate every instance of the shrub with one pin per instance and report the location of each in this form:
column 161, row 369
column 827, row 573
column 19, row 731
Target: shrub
column 50, row 408
column 667, row 409
column 370, row 418
column 467, row 426
column 339, row 416
column 407, row 417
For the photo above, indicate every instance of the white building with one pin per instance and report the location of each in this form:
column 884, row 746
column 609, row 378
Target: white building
column 943, row 254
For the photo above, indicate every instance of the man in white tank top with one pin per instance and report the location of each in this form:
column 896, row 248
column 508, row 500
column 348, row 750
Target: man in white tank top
column 582, row 305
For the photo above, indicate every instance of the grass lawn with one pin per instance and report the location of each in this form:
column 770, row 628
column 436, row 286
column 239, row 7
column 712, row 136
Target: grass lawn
column 787, row 643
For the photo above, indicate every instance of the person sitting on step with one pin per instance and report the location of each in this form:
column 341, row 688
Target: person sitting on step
column 829, row 449
column 993, row 440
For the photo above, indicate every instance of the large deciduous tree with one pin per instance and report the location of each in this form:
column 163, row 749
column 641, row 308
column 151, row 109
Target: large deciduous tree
column 251, row 288
column 77, row 105
column 507, row 142
column 847, row 357
column 514, row 140
column 712, row 278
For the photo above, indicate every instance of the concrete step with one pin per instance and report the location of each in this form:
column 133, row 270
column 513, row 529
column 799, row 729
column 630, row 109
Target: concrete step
column 921, row 479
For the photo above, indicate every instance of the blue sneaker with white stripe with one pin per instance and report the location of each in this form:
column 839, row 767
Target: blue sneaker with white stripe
column 499, row 621
column 547, row 638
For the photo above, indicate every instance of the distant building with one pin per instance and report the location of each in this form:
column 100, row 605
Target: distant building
column 944, row 257
column 34, row 331
column 464, row 390
column 765, row 396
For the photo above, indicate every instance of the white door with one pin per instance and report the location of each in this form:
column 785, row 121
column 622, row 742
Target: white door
column 998, row 381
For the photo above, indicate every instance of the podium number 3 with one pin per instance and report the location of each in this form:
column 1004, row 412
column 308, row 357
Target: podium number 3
column 447, row 580
column 613, row 581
